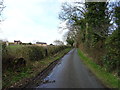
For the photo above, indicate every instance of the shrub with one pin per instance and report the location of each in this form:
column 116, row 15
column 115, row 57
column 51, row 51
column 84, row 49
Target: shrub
column 13, row 54
column 111, row 59
column 33, row 53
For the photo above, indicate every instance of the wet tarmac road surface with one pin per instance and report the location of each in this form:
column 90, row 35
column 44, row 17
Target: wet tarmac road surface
column 70, row 72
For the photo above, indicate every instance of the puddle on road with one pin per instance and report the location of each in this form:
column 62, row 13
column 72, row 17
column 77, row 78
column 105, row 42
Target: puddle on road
column 47, row 81
column 51, row 79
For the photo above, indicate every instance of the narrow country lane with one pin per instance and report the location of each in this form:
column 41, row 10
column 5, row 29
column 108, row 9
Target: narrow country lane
column 70, row 72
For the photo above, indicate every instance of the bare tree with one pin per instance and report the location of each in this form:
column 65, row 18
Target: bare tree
column 1, row 9
column 58, row 42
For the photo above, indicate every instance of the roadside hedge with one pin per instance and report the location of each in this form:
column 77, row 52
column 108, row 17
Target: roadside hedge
column 12, row 54
column 111, row 59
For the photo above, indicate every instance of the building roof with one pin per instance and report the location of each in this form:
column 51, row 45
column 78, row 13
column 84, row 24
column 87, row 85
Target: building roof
column 41, row 43
column 17, row 41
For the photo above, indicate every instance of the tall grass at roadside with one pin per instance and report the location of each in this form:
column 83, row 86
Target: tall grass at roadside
column 107, row 78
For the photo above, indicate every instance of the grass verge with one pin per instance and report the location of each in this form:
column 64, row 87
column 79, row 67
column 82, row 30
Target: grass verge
column 14, row 79
column 108, row 79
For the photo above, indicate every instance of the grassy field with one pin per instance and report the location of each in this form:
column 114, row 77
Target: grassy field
column 11, row 78
column 108, row 79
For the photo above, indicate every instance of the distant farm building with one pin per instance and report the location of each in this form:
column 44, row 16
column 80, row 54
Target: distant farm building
column 41, row 44
column 17, row 42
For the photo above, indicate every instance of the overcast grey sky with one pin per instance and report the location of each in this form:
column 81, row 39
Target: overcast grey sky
column 31, row 20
